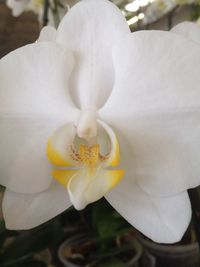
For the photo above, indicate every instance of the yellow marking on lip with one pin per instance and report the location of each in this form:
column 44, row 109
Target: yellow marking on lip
column 116, row 154
column 55, row 157
column 89, row 155
column 63, row 176
column 114, row 177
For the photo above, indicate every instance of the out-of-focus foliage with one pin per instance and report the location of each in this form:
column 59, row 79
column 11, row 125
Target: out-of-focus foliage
column 17, row 248
column 100, row 221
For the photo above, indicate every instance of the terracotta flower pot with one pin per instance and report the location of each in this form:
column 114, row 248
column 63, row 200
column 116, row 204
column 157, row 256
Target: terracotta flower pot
column 81, row 239
column 178, row 255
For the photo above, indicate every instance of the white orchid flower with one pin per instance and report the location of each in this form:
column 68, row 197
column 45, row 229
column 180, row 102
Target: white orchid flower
column 157, row 9
column 108, row 104
column 37, row 6
column 19, row 6
column 188, row 29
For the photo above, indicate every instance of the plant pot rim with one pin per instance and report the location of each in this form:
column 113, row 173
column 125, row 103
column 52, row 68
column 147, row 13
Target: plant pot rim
column 79, row 237
column 168, row 247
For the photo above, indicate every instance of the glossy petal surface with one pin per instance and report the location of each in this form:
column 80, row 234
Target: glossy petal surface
column 158, row 119
column 90, row 29
column 25, row 211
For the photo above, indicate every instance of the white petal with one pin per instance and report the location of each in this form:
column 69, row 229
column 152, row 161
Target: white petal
column 155, row 110
column 163, row 220
column 114, row 152
column 34, row 80
column 24, row 167
column 76, row 189
column 85, row 188
column 25, row 211
column 90, row 29
column 105, row 181
column 48, row 33
column 59, row 148
column 63, row 146
column 152, row 74
column 188, row 29
column 33, row 103
column 17, row 6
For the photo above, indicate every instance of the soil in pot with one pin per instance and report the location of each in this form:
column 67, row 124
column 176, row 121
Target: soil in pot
column 83, row 250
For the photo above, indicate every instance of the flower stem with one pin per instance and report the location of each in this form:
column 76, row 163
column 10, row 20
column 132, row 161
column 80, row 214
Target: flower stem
column 45, row 12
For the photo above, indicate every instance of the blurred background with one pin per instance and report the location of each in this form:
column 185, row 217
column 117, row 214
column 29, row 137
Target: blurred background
column 21, row 20
column 97, row 236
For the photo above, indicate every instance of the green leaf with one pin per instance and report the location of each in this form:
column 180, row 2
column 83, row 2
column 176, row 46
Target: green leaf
column 106, row 220
column 31, row 241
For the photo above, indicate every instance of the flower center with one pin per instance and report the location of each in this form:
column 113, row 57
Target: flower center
column 87, row 175
column 89, row 156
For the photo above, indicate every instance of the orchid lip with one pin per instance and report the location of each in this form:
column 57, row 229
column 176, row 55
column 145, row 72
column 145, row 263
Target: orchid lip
column 90, row 178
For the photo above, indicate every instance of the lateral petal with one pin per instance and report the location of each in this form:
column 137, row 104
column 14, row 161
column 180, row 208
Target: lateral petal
column 33, row 103
column 156, row 218
column 24, row 167
column 158, row 122
column 34, row 80
column 90, row 29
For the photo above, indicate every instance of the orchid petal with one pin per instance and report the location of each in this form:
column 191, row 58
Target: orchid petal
column 63, row 150
column 24, row 166
column 103, row 183
column 34, row 80
column 63, row 176
column 47, row 34
column 25, row 211
column 86, row 188
column 158, row 122
column 17, row 6
column 156, row 218
column 76, row 188
column 188, row 29
column 114, row 155
column 34, row 103
column 59, row 146
column 90, row 29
